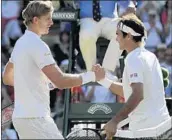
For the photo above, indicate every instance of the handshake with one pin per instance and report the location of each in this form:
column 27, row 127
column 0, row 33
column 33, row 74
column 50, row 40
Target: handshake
column 98, row 74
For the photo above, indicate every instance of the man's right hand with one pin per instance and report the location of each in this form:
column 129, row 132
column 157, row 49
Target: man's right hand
column 99, row 72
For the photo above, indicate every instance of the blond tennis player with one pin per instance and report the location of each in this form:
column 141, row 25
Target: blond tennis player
column 142, row 81
column 30, row 69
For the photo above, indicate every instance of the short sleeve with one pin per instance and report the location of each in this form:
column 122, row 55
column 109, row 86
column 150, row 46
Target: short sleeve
column 42, row 55
column 134, row 70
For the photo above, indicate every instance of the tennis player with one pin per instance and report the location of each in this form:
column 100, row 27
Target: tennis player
column 30, row 69
column 142, row 81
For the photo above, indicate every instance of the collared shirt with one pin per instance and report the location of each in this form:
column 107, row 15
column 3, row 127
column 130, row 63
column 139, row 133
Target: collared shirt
column 29, row 56
column 107, row 8
column 142, row 66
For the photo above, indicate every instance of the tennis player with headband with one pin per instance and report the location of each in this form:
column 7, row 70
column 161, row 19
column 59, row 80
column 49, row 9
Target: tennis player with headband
column 142, row 81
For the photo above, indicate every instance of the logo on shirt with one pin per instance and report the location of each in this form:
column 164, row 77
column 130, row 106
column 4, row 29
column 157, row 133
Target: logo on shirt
column 133, row 75
column 103, row 107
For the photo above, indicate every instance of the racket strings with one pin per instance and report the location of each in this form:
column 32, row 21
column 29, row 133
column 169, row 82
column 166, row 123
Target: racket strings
column 84, row 135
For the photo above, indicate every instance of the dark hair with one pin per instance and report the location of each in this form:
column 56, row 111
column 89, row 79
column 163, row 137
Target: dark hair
column 62, row 33
column 134, row 23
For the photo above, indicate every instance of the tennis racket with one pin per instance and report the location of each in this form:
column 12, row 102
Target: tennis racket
column 86, row 134
column 90, row 133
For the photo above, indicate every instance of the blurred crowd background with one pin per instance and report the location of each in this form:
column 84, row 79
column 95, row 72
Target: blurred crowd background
column 157, row 18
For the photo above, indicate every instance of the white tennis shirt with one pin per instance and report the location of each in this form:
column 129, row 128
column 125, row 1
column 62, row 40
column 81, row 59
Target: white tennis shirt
column 142, row 66
column 29, row 56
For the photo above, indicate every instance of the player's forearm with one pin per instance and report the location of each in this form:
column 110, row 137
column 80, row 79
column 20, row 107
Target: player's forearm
column 117, row 88
column 63, row 80
column 69, row 80
column 73, row 80
column 129, row 106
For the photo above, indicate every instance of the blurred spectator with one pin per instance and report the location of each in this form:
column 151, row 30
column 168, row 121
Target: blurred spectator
column 168, row 65
column 168, row 34
column 61, row 53
column 99, row 94
column 77, row 94
column 145, row 7
column 10, row 24
column 9, row 133
column 65, row 26
column 165, row 13
column 166, row 20
column 160, row 53
column 61, row 50
column 154, row 29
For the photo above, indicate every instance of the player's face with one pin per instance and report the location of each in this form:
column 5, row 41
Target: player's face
column 120, row 39
column 44, row 23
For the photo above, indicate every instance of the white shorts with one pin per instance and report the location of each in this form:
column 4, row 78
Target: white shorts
column 36, row 128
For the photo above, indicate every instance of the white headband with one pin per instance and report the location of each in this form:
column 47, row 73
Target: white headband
column 127, row 29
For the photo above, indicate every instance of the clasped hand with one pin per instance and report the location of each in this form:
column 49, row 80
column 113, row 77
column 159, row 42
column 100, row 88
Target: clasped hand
column 99, row 72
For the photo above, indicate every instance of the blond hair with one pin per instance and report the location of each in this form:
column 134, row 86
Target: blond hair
column 36, row 9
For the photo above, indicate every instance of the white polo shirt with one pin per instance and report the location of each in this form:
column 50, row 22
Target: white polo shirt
column 142, row 66
column 29, row 56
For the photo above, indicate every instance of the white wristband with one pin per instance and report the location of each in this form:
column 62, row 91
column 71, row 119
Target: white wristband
column 105, row 82
column 88, row 77
column 108, row 80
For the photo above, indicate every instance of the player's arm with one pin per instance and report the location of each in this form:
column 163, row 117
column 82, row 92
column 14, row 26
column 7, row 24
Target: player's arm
column 133, row 101
column 117, row 88
column 63, row 80
column 44, row 60
column 134, row 74
column 8, row 74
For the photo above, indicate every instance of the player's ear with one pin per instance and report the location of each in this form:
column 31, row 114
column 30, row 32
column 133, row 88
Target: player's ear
column 129, row 36
column 35, row 20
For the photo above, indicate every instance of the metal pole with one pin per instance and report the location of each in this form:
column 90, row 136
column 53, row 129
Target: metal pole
column 71, row 69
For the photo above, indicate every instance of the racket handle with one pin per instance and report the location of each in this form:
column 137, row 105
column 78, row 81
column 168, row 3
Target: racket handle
column 122, row 123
